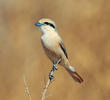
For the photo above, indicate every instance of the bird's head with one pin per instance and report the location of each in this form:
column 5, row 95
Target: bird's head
column 46, row 24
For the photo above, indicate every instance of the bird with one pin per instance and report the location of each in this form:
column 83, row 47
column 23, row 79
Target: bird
column 54, row 47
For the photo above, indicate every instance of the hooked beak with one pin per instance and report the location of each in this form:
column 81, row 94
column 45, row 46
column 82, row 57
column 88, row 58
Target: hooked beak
column 38, row 24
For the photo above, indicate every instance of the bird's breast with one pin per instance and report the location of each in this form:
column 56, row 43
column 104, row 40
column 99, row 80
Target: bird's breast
column 49, row 41
column 51, row 46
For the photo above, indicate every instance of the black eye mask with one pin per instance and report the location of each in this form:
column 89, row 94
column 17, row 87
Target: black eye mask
column 47, row 23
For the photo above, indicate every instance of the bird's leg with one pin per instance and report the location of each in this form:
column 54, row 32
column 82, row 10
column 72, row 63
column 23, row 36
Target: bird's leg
column 55, row 65
column 51, row 73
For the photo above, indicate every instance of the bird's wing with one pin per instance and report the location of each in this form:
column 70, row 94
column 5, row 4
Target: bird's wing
column 63, row 48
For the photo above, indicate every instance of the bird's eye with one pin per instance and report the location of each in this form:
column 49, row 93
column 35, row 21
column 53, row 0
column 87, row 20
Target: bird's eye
column 50, row 24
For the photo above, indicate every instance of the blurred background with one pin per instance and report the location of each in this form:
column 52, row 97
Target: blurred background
column 84, row 26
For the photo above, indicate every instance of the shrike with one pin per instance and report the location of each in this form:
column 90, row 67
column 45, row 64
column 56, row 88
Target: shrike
column 54, row 47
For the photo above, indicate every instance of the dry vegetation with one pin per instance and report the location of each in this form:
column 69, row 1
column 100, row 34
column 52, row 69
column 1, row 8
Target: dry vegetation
column 85, row 28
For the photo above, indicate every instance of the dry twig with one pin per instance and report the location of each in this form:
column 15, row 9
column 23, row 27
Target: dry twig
column 27, row 89
column 48, row 83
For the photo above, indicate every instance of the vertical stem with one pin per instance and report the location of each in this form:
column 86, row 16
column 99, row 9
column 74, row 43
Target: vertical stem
column 48, row 83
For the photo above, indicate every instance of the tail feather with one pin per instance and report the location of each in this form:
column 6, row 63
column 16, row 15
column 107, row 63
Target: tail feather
column 75, row 76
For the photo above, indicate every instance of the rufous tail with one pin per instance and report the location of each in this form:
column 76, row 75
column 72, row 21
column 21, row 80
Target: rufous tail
column 75, row 76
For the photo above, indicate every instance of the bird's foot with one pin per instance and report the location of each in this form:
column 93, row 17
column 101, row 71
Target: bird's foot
column 51, row 76
column 54, row 67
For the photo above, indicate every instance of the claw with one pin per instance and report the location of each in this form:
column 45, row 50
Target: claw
column 51, row 76
column 55, row 67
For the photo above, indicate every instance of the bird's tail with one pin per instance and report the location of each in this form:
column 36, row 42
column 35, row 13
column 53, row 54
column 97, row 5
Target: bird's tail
column 74, row 74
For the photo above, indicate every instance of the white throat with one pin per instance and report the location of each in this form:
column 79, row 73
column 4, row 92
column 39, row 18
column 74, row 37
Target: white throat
column 47, row 29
